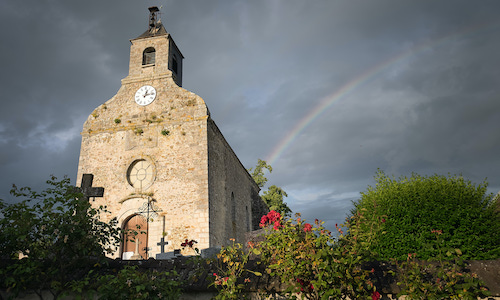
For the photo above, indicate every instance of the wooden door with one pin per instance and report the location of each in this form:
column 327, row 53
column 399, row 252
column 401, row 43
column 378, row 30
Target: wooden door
column 138, row 224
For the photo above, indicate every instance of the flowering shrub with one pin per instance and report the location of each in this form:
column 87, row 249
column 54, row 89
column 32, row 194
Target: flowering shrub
column 231, row 266
column 315, row 264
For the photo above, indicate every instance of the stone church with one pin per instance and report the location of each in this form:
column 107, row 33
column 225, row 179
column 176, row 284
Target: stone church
column 163, row 163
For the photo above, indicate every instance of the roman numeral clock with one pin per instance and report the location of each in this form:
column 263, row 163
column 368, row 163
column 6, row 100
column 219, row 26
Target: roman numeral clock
column 145, row 95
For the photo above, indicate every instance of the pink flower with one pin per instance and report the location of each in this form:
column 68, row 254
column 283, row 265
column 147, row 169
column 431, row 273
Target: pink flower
column 307, row 227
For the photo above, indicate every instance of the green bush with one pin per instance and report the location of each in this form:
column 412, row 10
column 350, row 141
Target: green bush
column 129, row 283
column 59, row 234
column 417, row 205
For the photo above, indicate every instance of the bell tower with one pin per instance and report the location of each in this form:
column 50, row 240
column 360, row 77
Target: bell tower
column 154, row 53
column 164, row 164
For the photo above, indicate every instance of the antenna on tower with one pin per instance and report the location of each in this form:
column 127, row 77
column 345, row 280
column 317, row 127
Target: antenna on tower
column 153, row 19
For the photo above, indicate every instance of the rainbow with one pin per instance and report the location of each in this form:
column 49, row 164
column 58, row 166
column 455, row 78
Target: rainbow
column 357, row 82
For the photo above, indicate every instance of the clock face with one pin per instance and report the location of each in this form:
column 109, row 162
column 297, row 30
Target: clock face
column 145, row 95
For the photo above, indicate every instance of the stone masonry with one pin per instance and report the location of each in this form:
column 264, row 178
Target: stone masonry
column 193, row 185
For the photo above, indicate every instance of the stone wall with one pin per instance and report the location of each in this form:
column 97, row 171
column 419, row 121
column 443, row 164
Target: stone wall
column 196, row 287
column 233, row 193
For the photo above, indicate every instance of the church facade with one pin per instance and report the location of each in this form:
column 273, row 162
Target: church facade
column 164, row 164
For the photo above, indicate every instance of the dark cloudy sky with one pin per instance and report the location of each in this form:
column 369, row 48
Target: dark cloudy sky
column 326, row 91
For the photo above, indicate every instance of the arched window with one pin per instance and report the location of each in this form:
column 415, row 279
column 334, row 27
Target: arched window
column 148, row 56
column 140, row 174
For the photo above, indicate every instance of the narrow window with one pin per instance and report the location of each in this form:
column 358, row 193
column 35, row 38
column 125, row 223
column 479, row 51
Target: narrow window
column 233, row 209
column 148, row 56
column 248, row 218
column 174, row 64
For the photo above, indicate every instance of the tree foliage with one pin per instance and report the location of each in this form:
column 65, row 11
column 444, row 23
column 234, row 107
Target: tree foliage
column 57, row 232
column 417, row 206
column 258, row 172
column 274, row 196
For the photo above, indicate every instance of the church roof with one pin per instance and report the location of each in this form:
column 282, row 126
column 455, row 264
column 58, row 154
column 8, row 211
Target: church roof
column 157, row 30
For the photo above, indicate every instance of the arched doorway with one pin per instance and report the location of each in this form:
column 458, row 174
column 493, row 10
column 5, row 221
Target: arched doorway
column 138, row 224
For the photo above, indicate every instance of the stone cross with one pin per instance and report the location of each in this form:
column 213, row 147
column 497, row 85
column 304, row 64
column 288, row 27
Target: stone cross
column 136, row 255
column 162, row 244
column 88, row 190
column 137, row 243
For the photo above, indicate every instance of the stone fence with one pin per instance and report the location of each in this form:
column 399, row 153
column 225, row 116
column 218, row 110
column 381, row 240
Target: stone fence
column 196, row 279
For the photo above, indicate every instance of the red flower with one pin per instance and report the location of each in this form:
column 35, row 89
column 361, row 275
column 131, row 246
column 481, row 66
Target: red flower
column 263, row 221
column 375, row 295
column 383, row 220
column 188, row 243
column 305, row 285
column 272, row 217
column 307, row 227
column 277, row 225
